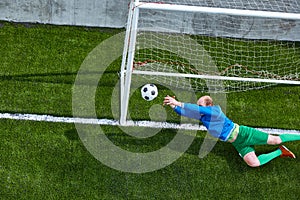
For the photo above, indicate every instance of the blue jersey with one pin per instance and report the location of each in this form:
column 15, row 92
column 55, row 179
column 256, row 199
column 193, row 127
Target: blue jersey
column 212, row 117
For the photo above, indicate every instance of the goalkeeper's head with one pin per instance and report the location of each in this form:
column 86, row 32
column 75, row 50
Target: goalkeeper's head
column 205, row 101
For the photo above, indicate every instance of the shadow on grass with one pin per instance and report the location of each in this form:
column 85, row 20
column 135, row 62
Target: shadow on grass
column 72, row 135
column 222, row 150
column 60, row 77
column 223, row 156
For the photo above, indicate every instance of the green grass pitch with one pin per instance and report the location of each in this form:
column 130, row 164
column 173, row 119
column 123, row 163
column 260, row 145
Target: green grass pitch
column 44, row 160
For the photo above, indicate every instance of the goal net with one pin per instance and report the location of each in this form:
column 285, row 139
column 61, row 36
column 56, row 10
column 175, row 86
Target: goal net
column 211, row 46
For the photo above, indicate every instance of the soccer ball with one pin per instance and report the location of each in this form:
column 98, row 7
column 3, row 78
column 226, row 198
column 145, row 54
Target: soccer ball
column 149, row 92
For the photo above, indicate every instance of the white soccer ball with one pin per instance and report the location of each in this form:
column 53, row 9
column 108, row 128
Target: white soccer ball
column 149, row 92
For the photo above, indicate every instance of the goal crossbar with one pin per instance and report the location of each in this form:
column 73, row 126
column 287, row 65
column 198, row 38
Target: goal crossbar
column 261, row 80
column 225, row 11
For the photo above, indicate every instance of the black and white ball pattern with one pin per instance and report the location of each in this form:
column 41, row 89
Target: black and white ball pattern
column 149, row 92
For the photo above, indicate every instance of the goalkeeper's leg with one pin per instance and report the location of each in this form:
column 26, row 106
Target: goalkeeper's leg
column 248, row 137
column 255, row 161
column 273, row 140
column 289, row 137
column 261, row 138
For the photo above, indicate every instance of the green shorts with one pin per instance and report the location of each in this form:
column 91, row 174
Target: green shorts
column 247, row 138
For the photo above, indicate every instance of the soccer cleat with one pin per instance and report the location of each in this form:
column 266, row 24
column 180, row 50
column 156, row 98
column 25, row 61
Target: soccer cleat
column 286, row 152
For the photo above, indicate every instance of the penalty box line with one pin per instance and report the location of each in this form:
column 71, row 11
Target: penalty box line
column 110, row 122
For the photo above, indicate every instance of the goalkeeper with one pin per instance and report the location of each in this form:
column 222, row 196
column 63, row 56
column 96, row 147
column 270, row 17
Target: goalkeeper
column 243, row 138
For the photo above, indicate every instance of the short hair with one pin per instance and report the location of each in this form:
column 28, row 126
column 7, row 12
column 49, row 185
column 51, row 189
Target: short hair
column 207, row 100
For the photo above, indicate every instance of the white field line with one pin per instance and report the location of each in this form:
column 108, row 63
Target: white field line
column 49, row 118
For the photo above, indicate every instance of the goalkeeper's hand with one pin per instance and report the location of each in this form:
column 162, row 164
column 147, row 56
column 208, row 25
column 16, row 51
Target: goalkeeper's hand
column 171, row 101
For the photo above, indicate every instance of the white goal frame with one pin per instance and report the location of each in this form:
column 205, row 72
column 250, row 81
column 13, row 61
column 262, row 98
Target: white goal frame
column 130, row 40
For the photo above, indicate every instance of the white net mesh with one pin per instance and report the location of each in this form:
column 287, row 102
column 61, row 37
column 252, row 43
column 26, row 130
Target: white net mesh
column 219, row 45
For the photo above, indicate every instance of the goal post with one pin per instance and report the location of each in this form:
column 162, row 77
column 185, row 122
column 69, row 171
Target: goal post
column 188, row 45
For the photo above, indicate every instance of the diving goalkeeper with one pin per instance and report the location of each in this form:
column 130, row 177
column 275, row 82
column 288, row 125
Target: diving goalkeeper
column 243, row 138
